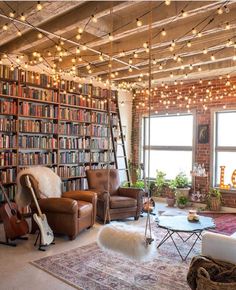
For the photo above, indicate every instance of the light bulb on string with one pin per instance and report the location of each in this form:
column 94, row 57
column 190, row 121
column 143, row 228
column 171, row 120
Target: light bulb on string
column 227, row 26
column 167, row 2
column 194, row 31
column 135, row 55
column 184, row 13
column 78, row 36
column 213, row 57
column 199, row 34
column 19, row 33
column 12, row 14
column 145, row 45
column 40, row 35
column 77, row 50
column 101, row 57
column 163, row 32
column 139, row 22
column 39, row 6
column 220, row 11
column 94, row 19
column 110, row 37
column 22, row 17
column 205, row 51
column 5, row 27
column 189, row 44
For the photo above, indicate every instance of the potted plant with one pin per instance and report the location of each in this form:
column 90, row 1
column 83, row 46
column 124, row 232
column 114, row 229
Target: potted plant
column 213, row 199
column 182, row 201
column 161, row 182
column 181, row 183
column 170, row 194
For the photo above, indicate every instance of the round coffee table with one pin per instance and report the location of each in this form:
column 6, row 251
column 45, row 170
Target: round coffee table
column 180, row 224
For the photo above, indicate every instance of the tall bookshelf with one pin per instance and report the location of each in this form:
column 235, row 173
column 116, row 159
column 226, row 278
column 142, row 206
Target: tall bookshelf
column 63, row 126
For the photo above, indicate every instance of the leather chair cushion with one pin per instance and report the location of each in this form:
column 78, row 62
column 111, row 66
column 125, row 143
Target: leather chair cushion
column 84, row 208
column 122, row 202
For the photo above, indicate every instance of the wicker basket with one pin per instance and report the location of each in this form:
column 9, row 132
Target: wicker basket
column 204, row 282
column 215, row 204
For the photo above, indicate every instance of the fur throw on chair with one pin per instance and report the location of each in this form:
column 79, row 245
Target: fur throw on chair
column 49, row 184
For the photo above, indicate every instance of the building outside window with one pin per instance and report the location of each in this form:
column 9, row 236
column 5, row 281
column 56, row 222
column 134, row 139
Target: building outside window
column 224, row 146
column 171, row 144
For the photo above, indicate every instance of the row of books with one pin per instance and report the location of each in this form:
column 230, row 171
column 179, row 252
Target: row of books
column 75, row 184
column 38, row 110
column 75, row 115
column 7, row 72
column 11, row 192
column 102, row 157
column 102, row 166
column 99, row 131
column 72, row 171
column 73, row 143
column 75, row 100
column 8, row 107
column 8, row 159
column 8, row 175
column 72, row 129
column 37, row 158
column 71, row 86
column 100, row 118
column 42, row 142
column 99, row 144
column 7, row 141
column 39, row 94
column 74, row 157
column 37, row 126
column 10, row 89
column 37, row 79
column 7, row 125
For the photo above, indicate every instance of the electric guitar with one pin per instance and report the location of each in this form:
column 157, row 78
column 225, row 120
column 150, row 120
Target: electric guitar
column 47, row 236
column 14, row 225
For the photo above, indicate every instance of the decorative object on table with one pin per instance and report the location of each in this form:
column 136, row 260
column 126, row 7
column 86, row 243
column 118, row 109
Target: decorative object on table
column 193, row 216
column 213, row 199
column 68, row 213
column 198, row 171
column 15, row 226
column 203, row 134
column 182, row 201
column 181, row 183
column 45, row 235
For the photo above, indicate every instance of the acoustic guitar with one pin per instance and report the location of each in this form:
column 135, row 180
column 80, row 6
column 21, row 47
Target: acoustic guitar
column 15, row 225
column 46, row 232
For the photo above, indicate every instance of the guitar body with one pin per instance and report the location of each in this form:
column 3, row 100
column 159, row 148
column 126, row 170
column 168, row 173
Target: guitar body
column 14, row 225
column 47, row 236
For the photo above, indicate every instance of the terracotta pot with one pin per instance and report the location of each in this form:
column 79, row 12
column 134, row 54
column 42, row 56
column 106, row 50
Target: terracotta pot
column 170, row 201
column 215, row 204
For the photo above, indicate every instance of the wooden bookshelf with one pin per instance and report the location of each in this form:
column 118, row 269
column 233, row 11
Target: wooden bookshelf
column 60, row 125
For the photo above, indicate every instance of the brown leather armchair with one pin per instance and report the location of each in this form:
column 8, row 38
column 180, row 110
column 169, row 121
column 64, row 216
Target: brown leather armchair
column 114, row 202
column 68, row 214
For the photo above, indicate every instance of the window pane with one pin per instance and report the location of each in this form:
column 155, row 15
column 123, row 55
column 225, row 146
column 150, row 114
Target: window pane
column 227, row 159
column 171, row 162
column 171, row 130
column 225, row 122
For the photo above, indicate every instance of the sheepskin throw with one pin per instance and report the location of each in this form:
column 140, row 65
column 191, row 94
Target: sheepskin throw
column 49, row 184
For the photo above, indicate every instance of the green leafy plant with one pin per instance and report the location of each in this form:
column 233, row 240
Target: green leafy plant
column 213, row 194
column 161, row 182
column 137, row 184
column 180, row 181
column 182, row 200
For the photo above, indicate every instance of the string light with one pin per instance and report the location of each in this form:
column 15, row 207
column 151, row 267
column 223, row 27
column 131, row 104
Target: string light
column 78, row 36
column 12, row 14
column 213, row 57
column 167, row 2
column 199, row 34
column 101, row 57
column 94, row 19
column 189, row 44
column 19, row 33
column 110, row 37
column 163, row 32
column 205, row 51
column 184, row 13
column 39, row 6
column 40, row 35
column 22, row 17
column 194, row 31
column 135, row 55
column 5, row 27
column 77, row 50
column 139, row 22
column 227, row 26
column 220, row 11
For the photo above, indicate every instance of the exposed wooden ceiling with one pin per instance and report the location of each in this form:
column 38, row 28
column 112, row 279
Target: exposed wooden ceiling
column 214, row 20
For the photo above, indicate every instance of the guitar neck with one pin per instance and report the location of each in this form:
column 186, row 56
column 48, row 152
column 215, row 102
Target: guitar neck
column 34, row 197
column 5, row 195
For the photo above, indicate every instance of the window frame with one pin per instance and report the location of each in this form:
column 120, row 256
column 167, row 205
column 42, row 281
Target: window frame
column 145, row 147
column 215, row 148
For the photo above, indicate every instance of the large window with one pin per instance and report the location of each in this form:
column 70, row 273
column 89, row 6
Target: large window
column 225, row 145
column 171, row 144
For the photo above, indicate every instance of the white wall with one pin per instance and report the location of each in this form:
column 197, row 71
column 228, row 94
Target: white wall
column 126, row 116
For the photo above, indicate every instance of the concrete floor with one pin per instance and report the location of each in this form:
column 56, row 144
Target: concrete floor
column 18, row 274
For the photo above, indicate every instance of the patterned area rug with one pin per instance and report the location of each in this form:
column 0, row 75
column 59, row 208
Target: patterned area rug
column 225, row 223
column 90, row 268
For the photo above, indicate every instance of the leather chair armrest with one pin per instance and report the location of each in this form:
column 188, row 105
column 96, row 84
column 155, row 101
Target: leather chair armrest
column 88, row 196
column 131, row 192
column 58, row 205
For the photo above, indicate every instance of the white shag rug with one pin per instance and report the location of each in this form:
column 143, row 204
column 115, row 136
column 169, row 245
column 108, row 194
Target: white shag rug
column 48, row 181
column 127, row 240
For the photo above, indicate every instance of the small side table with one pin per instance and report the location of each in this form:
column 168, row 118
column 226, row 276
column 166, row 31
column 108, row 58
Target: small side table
column 177, row 225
